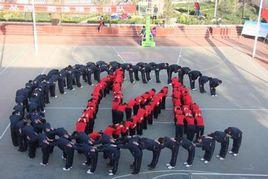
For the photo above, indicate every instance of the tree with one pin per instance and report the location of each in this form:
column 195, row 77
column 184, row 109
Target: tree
column 168, row 9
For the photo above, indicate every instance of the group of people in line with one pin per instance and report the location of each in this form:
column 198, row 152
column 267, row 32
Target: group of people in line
column 30, row 130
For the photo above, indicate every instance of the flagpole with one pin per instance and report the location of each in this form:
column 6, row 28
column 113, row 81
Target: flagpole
column 34, row 29
column 257, row 31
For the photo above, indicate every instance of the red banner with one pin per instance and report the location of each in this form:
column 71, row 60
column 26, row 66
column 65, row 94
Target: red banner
column 68, row 8
column 264, row 14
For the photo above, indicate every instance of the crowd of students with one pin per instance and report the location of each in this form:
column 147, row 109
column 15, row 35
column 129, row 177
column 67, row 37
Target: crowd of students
column 30, row 130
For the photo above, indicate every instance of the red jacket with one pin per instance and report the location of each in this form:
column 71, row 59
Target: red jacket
column 187, row 100
column 94, row 135
column 136, row 119
column 118, row 129
column 199, row 121
column 80, row 126
column 109, row 131
column 190, row 121
column 179, row 120
column 131, row 103
column 148, row 110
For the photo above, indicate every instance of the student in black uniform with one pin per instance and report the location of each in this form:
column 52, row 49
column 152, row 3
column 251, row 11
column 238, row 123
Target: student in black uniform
column 193, row 75
column 202, row 80
column 32, row 139
column 158, row 67
column 141, row 66
column 190, row 147
column 46, row 143
column 208, row 145
column 148, row 68
column 90, row 70
column 183, row 71
column 113, row 153
column 213, row 83
column 223, row 139
column 91, row 154
column 68, row 151
column 131, row 73
column 136, row 150
column 172, row 68
column 154, row 146
column 14, row 119
column 61, row 82
column 136, row 69
column 77, row 75
column 70, row 78
column 173, row 145
column 236, row 135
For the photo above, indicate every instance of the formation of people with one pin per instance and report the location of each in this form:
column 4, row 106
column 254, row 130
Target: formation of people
column 30, row 130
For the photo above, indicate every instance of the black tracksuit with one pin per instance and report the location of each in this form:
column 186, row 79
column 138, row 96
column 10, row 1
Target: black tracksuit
column 14, row 119
column 32, row 139
column 136, row 150
column 155, row 147
column 236, row 135
column 182, row 72
column 113, row 153
column 158, row 67
column 213, row 83
column 91, row 154
column 173, row 145
column 46, row 147
column 68, row 150
column 172, row 68
column 208, row 145
column 222, row 138
column 193, row 75
column 202, row 80
column 189, row 146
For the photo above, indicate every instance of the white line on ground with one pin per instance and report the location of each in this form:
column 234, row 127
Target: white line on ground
column 44, row 69
column 192, row 172
column 117, row 53
column 158, row 171
column 20, row 55
column 2, row 135
column 178, row 61
column 232, row 174
column 211, row 174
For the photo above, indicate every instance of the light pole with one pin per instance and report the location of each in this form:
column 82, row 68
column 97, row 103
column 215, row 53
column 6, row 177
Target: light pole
column 34, row 29
column 258, row 30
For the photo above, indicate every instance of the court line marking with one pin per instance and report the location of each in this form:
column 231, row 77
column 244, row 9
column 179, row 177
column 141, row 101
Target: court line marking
column 5, row 131
column 213, row 174
column 178, row 61
column 117, row 53
column 44, row 69
column 19, row 55
column 158, row 171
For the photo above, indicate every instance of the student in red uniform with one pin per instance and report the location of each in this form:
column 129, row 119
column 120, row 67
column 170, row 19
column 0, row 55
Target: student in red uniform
column 148, row 116
column 179, row 126
column 132, row 126
column 117, row 131
column 80, row 125
column 129, row 108
column 136, row 107
column 190, row 127
column 109, row 130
